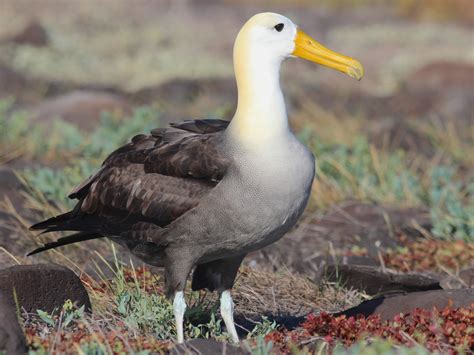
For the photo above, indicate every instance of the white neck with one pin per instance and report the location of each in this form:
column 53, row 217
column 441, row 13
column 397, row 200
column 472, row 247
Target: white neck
column 261, row 112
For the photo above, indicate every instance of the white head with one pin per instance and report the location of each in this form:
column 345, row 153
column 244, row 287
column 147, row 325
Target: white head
column 270, row 38
column 262, row 44
column 267, row 37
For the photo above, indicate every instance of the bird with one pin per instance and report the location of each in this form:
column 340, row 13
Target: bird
column 198, row 196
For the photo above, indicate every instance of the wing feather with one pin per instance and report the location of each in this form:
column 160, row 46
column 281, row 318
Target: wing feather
column 148, row 183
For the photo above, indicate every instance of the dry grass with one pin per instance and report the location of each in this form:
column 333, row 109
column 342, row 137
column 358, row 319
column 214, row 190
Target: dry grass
column 285, row 293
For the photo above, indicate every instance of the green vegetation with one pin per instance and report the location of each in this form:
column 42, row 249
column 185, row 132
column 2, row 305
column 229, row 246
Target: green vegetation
column 359, row 170
column 134, row 305
column 65, row 141
column 352, row 170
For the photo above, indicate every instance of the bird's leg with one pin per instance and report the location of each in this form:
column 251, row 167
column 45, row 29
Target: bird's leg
column 227, row 313
column 179, row 307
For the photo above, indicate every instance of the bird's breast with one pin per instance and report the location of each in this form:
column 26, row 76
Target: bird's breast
column 270, row 190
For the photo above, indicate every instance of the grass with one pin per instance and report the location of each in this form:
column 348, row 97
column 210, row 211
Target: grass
column 66, row 142
column 131, row 313
column 354, row 170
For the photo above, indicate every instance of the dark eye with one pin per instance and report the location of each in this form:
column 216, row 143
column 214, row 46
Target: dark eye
column 279, row 27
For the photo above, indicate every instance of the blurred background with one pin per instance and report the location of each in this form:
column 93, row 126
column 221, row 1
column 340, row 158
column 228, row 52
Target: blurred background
column 395, row 151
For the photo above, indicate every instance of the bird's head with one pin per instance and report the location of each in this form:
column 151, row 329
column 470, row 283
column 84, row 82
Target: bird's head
column 269, row 37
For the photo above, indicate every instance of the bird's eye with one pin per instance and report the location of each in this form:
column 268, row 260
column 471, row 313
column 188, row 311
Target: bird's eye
column 279, row 27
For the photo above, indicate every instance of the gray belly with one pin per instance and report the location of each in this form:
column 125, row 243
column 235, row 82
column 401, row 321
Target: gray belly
column 253, row 206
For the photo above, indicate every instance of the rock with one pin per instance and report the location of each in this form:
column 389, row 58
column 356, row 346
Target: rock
column 43, row 286
column 373, row 281
column 11, row 82
column 207, row 346
column 81, row 107
column 181, row 91
column 464, row 279
column 442, row 75
column 33, row 35
column 393, row 134
column 12, row 339
column 369, row 226
column 182, row 98
column 388, row 307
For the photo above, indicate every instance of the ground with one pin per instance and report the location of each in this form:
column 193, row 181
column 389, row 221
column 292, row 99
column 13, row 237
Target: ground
column 393, row 199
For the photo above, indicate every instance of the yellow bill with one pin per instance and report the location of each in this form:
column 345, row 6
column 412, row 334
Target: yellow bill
column 308, row 48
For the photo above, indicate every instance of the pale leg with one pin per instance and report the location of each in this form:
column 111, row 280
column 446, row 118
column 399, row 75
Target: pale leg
column 179, row 307
column 227, row 313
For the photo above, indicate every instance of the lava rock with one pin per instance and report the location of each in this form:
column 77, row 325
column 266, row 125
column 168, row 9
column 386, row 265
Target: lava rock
column 207, row 346
column 42, row 286
column 12, row 339
column 374, row 281
column 442, row 75
column 81, row 107
column 32, row 35
column 388, row 307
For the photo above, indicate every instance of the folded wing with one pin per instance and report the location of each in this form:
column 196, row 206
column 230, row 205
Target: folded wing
column 147, row 184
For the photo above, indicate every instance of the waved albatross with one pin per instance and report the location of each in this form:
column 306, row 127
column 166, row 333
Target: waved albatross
column 202, row 194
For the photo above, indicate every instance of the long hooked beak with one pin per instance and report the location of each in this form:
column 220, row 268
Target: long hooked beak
column 308, row 48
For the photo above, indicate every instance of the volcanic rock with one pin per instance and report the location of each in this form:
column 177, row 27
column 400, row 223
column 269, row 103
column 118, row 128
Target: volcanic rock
column 12, row 340
column 388, row 307
column 374, row 281
column 42, row 286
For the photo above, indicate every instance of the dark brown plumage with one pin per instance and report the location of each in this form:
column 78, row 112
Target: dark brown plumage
column 144, row 186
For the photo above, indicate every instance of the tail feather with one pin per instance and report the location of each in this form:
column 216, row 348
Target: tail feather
column 70, row 239
column 53, row 221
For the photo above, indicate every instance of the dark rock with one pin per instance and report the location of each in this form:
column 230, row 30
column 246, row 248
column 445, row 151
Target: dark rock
column 369, row 226
column 400, row 105
column 182, row 98
column 374, row 281
column 442, row 75
column 180, row 91
column 464, row 279
column 388, row 307
column 393, row 134
column 11, row 82
column 33, row 35
column 43, row 286
column 207, row 346
column 82, row 108
column 12, row 339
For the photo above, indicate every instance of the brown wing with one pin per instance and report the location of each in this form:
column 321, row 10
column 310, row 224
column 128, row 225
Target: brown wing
column 149, row 182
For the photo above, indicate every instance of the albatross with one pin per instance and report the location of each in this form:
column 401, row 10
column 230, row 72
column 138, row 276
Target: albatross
column 200, row 195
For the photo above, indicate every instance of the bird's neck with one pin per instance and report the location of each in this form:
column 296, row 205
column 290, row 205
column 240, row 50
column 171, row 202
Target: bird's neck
column 261, row 112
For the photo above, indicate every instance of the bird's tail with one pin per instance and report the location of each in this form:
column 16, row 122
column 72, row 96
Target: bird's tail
column 56, row 223
column 73, row 238
column 69, row 221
